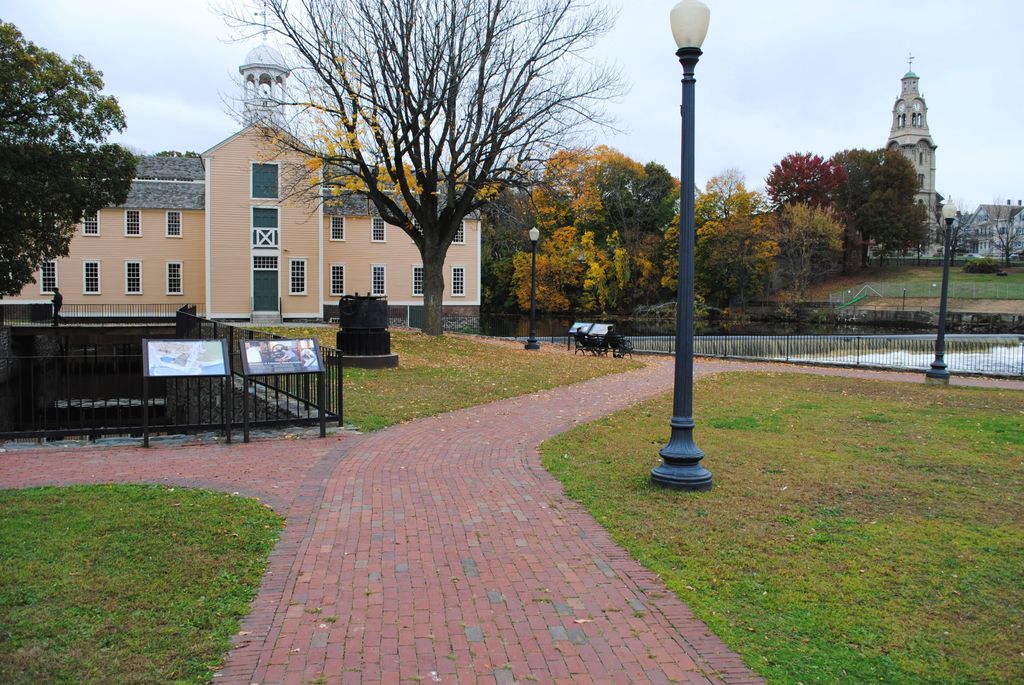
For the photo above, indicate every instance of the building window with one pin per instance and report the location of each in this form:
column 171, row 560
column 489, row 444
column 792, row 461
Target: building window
column 460, row 234
column 174, row 280
column 459, row 281
column 264, row 227
column 417, row 281
column 378, row 235
column 337, row 228
column 337, row 279
column 378, row 280
column 133, row 277
column 91, row 278
column 48, row 277
column 261, row 263
column 132, row 222
column 264, row 180
column 920, row 180
column 297, row 269
column 91, row 224
column 173, row 224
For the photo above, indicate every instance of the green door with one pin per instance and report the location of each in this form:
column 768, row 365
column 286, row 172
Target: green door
column 416, row 316
column 264, row 290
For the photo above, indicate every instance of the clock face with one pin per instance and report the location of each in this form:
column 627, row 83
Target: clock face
column 917, row 106
column 901, row 108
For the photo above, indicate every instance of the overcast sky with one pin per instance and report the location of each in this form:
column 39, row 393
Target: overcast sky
column 776, row 77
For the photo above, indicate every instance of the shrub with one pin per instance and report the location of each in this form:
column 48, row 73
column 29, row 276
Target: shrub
column 983, row 265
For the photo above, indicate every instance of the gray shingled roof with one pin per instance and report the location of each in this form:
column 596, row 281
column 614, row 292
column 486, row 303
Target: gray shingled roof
column 170, row 168
column 347, row 204
column 167, row 183
column 351, row 204
column 166, row 195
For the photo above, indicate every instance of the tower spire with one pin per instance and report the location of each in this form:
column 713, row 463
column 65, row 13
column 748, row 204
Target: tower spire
column 910, row 56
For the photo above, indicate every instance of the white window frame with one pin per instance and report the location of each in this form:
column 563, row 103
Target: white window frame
column 373, row 281
column 259, row 259
column 337, row 293
column 417, row 268
column 277, row 194
column 330, row 229
column 127, row 263
column 181, row 278
column 138, row 213
column 85, row 277
column 96, row 217
column 292, row 263
column 463, row 270
column 460, row 234
column 374, row 222
column 42, row 277
column 167, row 224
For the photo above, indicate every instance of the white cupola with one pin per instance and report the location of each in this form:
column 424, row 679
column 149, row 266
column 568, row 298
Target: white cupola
column 264, row 76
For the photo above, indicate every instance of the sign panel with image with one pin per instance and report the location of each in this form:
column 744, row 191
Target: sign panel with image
column 267, row 357
column 170, row 358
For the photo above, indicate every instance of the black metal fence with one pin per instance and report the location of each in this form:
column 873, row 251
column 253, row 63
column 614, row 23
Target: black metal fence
column 95, row 390
column 990, row 355
column 411, row 316
column 287, row 399
column 38, row 313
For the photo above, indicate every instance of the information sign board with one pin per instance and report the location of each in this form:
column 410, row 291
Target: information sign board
column 268, row 357
column 171, row 357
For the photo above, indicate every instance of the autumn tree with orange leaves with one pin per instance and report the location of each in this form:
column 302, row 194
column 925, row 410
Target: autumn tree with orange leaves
column 618, row 209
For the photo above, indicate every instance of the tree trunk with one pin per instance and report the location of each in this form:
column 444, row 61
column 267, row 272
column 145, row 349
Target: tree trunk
column 433, row 289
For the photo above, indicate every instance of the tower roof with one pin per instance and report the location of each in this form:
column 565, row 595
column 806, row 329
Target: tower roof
column 910, row 74
column 264, row 56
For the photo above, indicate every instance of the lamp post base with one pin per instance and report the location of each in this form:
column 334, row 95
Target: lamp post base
column 681, row 469
column 531, row 344
column 694, row 477
column 937, row 375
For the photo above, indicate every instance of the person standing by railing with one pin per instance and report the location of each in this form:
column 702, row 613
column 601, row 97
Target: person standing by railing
column 58, row 302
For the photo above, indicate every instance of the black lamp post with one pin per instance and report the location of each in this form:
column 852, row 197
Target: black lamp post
column 681, row 457
column 531, row 342
column 938, row 373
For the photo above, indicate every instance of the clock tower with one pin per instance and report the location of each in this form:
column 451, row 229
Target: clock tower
column 910, row 135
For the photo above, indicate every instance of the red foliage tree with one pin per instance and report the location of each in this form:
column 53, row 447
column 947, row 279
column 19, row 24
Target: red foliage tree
column 803, row 177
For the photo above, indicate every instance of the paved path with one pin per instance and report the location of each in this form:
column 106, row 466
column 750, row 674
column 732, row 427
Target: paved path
column 440, row 550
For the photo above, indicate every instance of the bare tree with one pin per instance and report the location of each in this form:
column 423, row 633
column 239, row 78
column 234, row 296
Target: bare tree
column 1007, row 229
column 963, row 229
column 430, row 108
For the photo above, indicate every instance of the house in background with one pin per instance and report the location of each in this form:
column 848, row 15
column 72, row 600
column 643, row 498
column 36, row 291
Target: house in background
column 228, row 232
column 997, row 230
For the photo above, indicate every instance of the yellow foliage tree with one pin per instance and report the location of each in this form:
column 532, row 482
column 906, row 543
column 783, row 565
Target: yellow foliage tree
column 559, row 272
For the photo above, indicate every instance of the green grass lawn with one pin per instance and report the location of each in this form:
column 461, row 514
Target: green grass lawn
column 439, row 374
column 858, row 532
column 919, row 282
column 125, row 583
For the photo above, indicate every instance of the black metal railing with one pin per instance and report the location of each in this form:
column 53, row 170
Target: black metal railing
column 93, row 390
column 411, row 316
column 37, row 313
column 287, row 399
column 990, row 355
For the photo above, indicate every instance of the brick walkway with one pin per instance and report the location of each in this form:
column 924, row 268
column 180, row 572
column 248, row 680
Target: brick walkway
column 440, row 550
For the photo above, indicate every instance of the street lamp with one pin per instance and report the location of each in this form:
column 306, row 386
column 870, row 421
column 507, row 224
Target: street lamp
column 681, row 457
column 939, row 373
column 531, row 342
